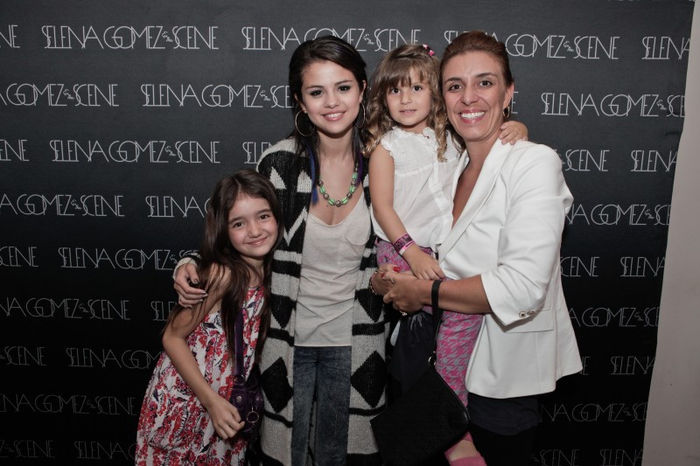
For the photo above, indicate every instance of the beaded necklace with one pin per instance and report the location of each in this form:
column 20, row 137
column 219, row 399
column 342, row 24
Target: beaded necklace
column 346, row 199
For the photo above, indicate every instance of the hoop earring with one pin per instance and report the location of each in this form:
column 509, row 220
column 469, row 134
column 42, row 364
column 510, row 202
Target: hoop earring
column 296, row 126
column 506, row 112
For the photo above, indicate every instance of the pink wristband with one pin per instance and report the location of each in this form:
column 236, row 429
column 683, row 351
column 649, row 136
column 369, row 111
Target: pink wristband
column 406, row 246
column 403, row 243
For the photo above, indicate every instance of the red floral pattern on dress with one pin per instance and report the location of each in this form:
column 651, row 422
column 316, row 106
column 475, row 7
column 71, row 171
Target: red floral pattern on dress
column 174, row 428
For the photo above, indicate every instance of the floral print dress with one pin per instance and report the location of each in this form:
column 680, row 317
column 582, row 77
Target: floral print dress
column 174, row 428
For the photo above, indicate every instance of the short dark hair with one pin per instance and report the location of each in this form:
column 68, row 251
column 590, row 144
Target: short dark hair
column 478, row 41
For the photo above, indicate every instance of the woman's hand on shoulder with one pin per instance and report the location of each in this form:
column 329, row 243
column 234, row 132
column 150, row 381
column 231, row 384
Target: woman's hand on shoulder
column 512, row 132
column 185, row 276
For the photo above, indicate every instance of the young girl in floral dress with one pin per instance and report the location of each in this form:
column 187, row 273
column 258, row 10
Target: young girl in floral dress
column 186, row 417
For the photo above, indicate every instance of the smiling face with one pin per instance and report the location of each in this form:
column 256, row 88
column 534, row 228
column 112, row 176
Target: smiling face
column 409, row 103
column 475, row 93
column 331, row 97
column 252, row 228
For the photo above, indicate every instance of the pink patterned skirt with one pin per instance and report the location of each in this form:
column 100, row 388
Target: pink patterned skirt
column 456, row 339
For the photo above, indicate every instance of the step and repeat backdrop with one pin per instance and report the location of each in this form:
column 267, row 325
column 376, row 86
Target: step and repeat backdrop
column 117, row 118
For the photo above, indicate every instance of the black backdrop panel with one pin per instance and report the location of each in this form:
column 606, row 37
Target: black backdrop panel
column 117, row 118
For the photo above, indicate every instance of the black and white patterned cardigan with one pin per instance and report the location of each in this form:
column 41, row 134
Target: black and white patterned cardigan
column 289, row 173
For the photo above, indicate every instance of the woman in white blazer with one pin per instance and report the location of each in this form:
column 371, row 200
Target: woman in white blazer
column 501, row 256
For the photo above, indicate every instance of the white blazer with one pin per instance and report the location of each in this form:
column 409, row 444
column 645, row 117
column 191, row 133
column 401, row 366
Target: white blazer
column 510, row 233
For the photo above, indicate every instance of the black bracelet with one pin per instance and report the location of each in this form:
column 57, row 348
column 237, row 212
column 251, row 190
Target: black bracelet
column 435, row 293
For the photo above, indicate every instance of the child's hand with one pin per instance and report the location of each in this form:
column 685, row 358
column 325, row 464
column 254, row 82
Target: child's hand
column 227, row 421
column 423, row 265
column 512, row 131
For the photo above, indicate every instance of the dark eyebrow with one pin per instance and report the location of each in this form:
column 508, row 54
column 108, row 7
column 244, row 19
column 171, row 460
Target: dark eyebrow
column 486, row 74
column 345, row 81
column 261, row 211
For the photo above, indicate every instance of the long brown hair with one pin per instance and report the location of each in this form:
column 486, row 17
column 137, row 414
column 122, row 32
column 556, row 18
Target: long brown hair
column 395, row 70
column 335, row 50
column 217, row 249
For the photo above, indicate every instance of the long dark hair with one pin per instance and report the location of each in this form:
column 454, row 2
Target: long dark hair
column 333, row 49
column 217, row 249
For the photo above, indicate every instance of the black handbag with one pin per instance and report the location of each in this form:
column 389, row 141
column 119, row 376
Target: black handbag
column 426, row 420
column 246, row 395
